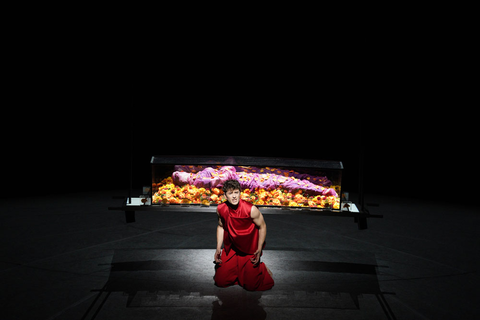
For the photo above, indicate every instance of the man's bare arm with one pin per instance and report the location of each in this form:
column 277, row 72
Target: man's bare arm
column 262, row 232
column 220, row 232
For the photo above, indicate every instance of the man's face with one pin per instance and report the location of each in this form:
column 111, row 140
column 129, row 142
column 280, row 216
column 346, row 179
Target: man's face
column 233, row 196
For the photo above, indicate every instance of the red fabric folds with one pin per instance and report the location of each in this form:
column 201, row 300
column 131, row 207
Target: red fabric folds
column 239, row 229
column 240, row 242
column 238, row 269
column 243, row 234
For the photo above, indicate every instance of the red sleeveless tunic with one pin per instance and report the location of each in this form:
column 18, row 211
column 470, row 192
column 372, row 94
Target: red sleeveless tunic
column 239, row 230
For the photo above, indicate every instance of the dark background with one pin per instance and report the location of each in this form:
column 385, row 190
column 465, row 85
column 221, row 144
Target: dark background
column 75, row 124
column 404, row 156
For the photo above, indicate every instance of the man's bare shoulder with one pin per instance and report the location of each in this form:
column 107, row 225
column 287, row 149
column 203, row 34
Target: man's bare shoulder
column 219, row 207
column 254, row 212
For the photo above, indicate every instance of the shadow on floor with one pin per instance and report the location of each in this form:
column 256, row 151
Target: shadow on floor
column 186, row 282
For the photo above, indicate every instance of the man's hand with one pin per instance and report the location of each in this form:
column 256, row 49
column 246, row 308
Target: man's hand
column 256, row 256
column 218, row 254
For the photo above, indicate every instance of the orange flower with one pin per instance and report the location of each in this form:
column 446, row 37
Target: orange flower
column 276, row 202
column 299, row 198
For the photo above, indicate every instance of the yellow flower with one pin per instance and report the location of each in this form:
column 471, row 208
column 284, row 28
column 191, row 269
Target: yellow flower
column 276, row 202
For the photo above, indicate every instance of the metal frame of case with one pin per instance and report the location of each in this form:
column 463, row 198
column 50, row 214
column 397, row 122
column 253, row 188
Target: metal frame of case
column 360, row 214
column 268, row 165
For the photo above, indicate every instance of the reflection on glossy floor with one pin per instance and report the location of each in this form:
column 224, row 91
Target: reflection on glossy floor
column 68, row 257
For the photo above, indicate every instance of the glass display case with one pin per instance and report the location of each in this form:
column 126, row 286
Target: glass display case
column 265, row 182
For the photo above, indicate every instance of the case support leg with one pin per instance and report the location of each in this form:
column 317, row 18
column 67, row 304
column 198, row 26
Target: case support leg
column 362, row 223
column 129, row 216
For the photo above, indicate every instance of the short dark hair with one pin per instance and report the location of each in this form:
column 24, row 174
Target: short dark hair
column 231, row 184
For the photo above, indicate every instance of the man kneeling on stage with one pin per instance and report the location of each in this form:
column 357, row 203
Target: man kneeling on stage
column 242, row 230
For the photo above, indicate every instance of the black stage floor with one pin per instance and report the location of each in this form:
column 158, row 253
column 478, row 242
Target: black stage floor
column 68, row 257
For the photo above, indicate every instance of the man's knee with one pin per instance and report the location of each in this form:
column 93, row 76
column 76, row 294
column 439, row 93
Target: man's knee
column 251, row 284
column 220, row 281
column 223, row 279
column 251, row 279
column 256, row 278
